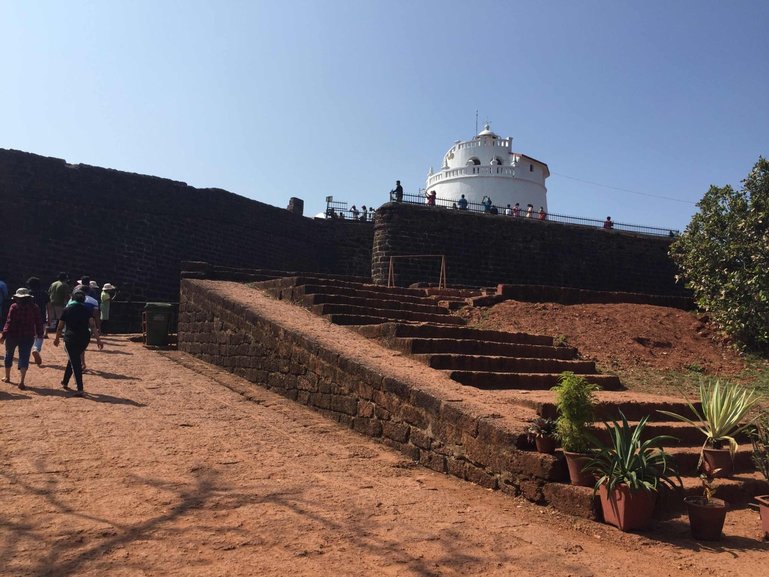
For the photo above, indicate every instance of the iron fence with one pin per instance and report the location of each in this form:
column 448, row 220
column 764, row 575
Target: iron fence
column 340, row 210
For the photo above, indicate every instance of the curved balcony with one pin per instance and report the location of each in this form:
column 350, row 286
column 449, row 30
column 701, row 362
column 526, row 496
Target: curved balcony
column 472, row 170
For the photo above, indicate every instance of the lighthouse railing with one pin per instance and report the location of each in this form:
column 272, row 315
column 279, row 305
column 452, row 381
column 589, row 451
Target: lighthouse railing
column 500, row 211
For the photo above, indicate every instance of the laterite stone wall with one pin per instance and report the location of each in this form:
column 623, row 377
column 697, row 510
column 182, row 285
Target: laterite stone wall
column 486, row 250
column 435, row 422
column 134, row 230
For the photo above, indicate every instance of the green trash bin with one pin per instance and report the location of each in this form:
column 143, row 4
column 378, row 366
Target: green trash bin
column 157, row 323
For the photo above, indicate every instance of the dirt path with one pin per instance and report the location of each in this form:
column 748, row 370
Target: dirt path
column 164, row 470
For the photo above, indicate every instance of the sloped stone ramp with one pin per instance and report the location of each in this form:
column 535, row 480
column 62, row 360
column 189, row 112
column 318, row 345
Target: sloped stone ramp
column 376, row 380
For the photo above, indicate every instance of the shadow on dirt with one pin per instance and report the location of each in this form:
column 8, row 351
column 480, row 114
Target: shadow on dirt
column 75, row 549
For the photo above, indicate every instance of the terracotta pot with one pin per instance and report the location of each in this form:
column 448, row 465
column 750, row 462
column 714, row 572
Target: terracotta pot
column 713, row 459
column 627, row 509
column 763, row 507
column 706, row 518
column 545, row 444
column 575, row 462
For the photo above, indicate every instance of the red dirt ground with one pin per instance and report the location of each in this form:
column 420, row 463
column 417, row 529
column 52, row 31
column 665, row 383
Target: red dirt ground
column 620, row 336
column 171, row 467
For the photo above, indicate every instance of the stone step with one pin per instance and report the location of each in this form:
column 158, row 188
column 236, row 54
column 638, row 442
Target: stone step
column 476, row 347
column 739, row 490
column 429, row 331
column 505, row 364
column 507, row 380
column 387, row 315
column 687, row 458
column 609, row 403
column 359, row 321
column 374, row 303
column 366, row 291
column 321, row 280
column 686, row 434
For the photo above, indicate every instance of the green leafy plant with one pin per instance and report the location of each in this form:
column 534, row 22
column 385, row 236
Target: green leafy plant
column 575, row 402
column 724, row 408
column 759, row 436
column 559, row 341
column 629, row 460
column 541, row 427
column 723, row 256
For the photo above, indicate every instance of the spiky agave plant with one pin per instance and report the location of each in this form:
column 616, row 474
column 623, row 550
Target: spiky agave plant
column 724, row 408
column 630, row 460
column 760, row 439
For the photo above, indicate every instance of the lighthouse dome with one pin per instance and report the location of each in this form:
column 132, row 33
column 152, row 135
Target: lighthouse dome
column 486, row 165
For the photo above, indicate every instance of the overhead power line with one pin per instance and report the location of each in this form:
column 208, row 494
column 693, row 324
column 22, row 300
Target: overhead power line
column 624, row 189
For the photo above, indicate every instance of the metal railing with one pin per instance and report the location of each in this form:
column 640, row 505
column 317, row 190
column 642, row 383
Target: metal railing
column 494, row 210
column 339, row 210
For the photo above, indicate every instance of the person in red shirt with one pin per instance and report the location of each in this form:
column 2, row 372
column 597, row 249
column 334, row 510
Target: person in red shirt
column 22, row 326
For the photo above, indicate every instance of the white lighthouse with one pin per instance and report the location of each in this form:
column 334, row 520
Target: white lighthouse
column 487, row 166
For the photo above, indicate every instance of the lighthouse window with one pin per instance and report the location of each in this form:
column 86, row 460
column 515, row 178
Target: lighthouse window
column 473, row 162
column 531, row 168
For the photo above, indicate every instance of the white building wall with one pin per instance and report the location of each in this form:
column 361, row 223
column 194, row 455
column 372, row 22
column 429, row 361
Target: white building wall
column 516, row 179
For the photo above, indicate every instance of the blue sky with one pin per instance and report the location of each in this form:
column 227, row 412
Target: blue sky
column 636, row 107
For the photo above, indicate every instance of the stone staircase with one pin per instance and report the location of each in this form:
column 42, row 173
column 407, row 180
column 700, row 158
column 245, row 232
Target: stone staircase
column 418, row 322
column 413, row 322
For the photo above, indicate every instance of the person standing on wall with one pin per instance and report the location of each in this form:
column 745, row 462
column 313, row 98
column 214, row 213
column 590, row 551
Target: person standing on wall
column 23, row 325
column 58, row 294
column 76, row 325
column 397, row 192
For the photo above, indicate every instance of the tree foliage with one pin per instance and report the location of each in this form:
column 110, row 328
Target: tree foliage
column 723, row 256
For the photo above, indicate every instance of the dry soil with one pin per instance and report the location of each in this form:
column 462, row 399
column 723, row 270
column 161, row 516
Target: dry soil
column 172, row 467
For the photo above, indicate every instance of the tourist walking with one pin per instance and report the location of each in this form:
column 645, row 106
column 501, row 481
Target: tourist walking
column 3, row 297
column 23, row 324
column 462, row 203
column 608, row 224
column 76, row 325
column 41, row 299
column 107, row 295
column 517, row 210
column 58, row 293
column 486, row 202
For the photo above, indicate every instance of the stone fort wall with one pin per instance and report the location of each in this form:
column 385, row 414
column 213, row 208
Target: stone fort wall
column 486, row 250
column 134, row 230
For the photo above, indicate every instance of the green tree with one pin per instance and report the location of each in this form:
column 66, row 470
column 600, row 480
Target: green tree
column 723, row 257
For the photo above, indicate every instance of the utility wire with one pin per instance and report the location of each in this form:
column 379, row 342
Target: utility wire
column 624, row 189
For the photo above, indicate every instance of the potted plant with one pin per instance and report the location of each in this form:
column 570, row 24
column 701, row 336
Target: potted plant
column 542, row 432
column 706, row 513
column 575, row 403
column 760, row 440
column 724, row 408
column 630, row 473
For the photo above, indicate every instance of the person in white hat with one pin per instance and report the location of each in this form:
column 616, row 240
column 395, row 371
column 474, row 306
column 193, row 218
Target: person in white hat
column 22, row 326
column 107, row 294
